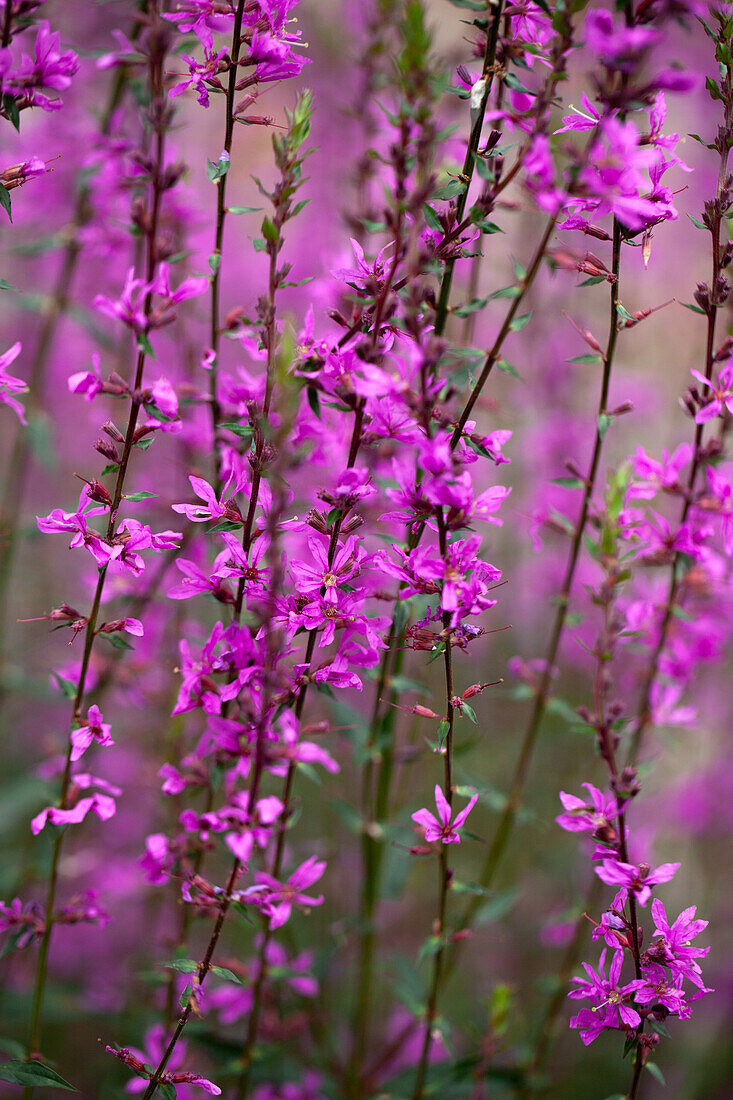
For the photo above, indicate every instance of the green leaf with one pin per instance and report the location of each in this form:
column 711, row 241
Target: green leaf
column 259, row 244
column 10, row 106
column 5, row 285
column 469, row 712
column 506, row 292
column 111, row 468
column 695, row 221
column 516, row 85
column 604, row 423
column 655, row 1072
column 244, row 209
column 143, row 444
column 568, row 482
column 183, row 966
column 167, row 1090
column 507, row 368
column 449, row 191
column 269, row 230
column 137, row 497
column 154, row 411
column 216, row 171
column 429, row 947
column 32, row 1073
column 443, row 728
column 588, row 358
column 244, row 431
column 67, row 687
column 520, row 322
column 314, row 401
column 116, row 641
column 470, row 888
column 5, row 200
column 693, row 307
column 214, row 262
column 143, row 344
column 431, row 218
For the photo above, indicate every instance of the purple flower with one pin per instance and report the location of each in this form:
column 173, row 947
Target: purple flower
column 598, row 816
column 611, row 1009
column 213, row 508
column 722, row 394
column 440, row 827
column 637, row 879
column 102, row 805
column 673, row 947
column 9, row 384
column 279, row 898
column 619, row 47
column 96, row 729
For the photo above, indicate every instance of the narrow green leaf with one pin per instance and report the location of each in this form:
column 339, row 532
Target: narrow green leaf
column 507, row 368
column 5, row 200
column 117, row 641
column 10, row 106
column 269, row 230
column 244, row 431
column 429, row 947
column 520, row 322
column 604, row 423
column 449, row 191
column 244, row 209
column 137, row 497
column 32, row 1073
column 67, row 687
column 144, row 345
column 568, row 482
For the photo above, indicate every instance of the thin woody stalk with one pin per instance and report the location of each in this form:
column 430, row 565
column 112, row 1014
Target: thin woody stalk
column 521, row 770
column 289, row 161
column 253, row 1021
column 714, row 221
column 158, row 113
column 221, row 211
column 444, row 872
column 52, row 311
column 487, row 75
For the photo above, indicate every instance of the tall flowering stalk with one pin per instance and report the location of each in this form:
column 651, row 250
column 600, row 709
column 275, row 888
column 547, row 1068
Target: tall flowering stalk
column 118, row 543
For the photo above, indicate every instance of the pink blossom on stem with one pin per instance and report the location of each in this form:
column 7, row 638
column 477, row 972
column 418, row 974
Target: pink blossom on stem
column 440, row 827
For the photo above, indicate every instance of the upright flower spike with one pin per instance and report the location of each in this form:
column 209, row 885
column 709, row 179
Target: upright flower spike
column 441, row 827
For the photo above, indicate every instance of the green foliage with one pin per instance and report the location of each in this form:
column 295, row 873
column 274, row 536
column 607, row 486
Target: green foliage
column 35, row 1074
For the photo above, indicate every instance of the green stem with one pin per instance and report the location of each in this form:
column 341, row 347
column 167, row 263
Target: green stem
column 53, row 309
column 519, row 778
column 445, row 871
column 90, row 633
column 492, row 39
